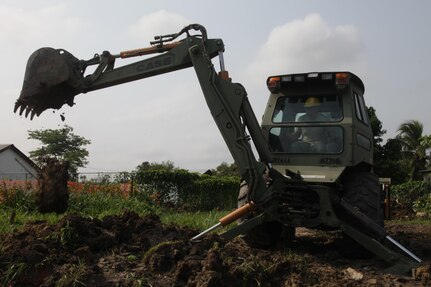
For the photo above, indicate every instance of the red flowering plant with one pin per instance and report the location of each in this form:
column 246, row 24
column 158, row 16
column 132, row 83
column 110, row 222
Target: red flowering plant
column 93, row 187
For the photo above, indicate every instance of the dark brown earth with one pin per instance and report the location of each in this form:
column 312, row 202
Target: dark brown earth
column 52, row 194
column 129, row 250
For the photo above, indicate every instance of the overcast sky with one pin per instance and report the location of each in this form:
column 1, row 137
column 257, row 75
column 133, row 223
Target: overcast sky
column 386, row 43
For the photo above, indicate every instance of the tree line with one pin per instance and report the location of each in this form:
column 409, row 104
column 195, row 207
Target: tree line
column 404, row 157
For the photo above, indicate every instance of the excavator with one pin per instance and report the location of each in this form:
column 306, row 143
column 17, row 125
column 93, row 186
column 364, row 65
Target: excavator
column 298, row 179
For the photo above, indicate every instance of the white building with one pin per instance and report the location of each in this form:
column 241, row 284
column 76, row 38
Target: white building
column 15, row 165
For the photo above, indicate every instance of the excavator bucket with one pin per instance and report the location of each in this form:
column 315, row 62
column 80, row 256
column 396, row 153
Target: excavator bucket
column 52, row 79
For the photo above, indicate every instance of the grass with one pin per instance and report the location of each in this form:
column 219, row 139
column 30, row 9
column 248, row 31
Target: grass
column 196, row 220
column 20, row 208
column 73, row 275
column 100, row 204
column 153, row 249
column 14, row 270
column 23, row 217
column 416, row 221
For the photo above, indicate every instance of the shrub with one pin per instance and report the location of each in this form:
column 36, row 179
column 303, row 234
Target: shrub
column 100, row 203
column 191, row 191
column 416, row 194
column 210, row 192
column 165, row 186
column 17, row 199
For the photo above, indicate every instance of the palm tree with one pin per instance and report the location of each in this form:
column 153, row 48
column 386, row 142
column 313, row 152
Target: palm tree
column 414, row 146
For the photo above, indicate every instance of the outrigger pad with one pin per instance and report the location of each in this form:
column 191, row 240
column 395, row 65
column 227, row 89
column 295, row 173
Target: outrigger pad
column 52, row 79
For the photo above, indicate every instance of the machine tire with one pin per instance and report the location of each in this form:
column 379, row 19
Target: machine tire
column 362, row 190
column 263, row 236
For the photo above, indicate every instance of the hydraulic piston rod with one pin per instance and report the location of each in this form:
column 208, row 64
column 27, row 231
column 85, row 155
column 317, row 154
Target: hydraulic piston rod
column 228, row 219
column 408, row 252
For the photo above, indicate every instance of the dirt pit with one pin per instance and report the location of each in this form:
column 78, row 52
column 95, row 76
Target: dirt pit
column 129, row 250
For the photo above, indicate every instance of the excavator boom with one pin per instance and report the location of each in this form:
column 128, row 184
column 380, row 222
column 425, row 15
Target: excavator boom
column 54, row 77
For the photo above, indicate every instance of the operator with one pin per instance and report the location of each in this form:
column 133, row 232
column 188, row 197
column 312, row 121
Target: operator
column 313, row 139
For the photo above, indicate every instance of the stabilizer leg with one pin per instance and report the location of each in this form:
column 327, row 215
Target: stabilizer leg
column 400, row 265
column 244, row 227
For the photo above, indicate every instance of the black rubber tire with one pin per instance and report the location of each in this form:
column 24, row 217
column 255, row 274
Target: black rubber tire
column 362, row 190
column 264, row 235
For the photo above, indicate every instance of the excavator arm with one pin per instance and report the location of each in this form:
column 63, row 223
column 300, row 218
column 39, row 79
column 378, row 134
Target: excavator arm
column 54, row 77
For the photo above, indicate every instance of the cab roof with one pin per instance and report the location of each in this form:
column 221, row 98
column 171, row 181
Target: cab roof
column 313, row 78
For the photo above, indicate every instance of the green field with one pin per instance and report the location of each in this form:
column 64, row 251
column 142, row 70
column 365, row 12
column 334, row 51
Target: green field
column 19, row 208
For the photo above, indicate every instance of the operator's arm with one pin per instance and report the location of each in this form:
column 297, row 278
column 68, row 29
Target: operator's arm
column 298, row 131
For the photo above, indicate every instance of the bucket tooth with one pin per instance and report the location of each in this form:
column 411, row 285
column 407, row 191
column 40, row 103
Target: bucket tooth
column 27, row 111
column 21, row 109
column 15, row 108
column 33, row 113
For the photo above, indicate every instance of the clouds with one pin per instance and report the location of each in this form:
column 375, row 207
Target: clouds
column 22, row 27
column 165, row 117
column 154, row 119
column 309, row 44
column 24, row 30
column 123, row 110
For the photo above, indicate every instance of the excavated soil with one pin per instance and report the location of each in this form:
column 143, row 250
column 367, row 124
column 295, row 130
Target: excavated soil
column 52, row 194
column 129, row 250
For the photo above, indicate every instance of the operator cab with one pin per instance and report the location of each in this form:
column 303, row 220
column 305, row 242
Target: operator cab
column 305, row 116
column 317, row 120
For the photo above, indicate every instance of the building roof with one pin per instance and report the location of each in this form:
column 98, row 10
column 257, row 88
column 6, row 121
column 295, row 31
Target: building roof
column 4, row 147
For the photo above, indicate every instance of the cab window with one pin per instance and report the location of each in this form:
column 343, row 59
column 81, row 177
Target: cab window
column 360, row 109
column 314, row 108
column 306, row 139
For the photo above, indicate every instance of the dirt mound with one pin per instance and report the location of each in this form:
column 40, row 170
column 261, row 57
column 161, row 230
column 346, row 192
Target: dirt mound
column 129, row 250
column 52, row 194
